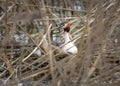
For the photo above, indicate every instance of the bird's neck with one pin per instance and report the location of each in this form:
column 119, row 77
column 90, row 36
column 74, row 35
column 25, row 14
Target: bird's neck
column 67, row 37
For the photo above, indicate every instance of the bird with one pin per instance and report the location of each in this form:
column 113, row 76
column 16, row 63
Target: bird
column 43, row 45
column 68, row 46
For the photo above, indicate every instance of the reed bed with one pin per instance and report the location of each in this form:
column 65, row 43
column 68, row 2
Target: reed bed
column 95, row 30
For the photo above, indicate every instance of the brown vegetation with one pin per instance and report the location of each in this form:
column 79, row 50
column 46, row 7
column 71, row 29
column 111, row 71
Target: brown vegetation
column 95, row 29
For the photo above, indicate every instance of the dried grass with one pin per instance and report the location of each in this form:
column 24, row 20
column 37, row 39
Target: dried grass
column 95, row 31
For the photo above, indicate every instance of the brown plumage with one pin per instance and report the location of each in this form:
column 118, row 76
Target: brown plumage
column 67, row 27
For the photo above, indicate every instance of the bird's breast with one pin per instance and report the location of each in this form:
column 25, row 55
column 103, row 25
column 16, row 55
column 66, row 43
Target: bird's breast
column 70, row 48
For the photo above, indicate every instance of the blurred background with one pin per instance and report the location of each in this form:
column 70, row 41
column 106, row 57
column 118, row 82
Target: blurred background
column 30, row 25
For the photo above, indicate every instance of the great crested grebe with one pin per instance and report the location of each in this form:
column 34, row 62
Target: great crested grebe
column 69, row 46
column 44, row 45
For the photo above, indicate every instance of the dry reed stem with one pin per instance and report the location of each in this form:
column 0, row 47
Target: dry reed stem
column 98, row 53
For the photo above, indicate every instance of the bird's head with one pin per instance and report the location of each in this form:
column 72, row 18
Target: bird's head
column 66, row 27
